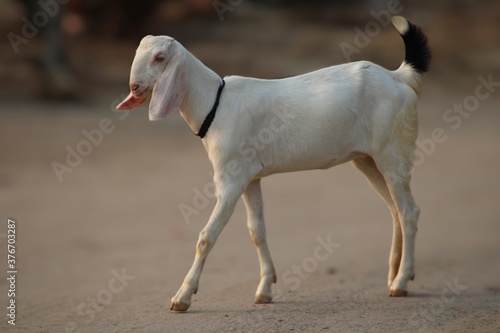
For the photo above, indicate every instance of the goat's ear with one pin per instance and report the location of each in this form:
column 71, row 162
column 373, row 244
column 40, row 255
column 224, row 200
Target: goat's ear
column 130, row 102
column 170, row 87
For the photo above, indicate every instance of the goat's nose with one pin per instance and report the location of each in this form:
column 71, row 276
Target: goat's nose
column 134, row 87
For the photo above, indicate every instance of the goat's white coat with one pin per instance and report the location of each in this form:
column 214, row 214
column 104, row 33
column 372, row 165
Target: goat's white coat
column 357, row 112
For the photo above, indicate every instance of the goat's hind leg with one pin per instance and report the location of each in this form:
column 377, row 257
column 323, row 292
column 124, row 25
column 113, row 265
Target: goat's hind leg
column 255, row 214
column 368, row 167
column 398, row 178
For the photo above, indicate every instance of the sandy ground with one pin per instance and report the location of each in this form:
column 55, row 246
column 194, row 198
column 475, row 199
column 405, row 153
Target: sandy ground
column 117, row 213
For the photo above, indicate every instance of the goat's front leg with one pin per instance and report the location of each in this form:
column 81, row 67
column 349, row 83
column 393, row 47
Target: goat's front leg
column 255, row 214
column 208, row 236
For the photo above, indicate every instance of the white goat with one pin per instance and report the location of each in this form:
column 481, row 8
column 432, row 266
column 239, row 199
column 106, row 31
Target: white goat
column 358, row 112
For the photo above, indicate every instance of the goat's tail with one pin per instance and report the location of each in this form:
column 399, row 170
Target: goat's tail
column 417, row 52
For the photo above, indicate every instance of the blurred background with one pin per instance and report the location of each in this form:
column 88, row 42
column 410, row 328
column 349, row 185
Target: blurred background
column 82, row 48
column 116, row 202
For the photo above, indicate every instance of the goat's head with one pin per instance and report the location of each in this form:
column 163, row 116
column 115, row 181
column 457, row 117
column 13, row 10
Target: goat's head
column 159, row 69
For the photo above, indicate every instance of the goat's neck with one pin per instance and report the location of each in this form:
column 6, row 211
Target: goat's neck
column 203, row 84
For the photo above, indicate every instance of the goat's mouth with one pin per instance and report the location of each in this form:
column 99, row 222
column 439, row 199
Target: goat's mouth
column 143, row 94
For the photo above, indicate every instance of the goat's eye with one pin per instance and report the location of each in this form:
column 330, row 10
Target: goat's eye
column 159, row 58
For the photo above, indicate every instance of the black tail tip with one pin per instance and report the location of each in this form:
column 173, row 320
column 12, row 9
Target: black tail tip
column 418, row 53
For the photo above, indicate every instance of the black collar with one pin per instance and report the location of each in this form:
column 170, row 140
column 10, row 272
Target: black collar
column 210, row 117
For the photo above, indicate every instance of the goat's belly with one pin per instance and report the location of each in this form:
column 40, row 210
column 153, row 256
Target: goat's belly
column 270, row 167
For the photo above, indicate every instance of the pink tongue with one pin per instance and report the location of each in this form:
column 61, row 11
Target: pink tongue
column 131, row 102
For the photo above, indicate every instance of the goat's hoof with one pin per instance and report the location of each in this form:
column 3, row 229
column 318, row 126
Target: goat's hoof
column 398, row 293
column 263, row 299
column 178, row 306
column 412, row 277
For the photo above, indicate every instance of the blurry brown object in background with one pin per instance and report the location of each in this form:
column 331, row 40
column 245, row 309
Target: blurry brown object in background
column 58, row 80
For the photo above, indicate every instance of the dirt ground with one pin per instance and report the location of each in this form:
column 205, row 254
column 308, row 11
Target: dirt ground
column 104, row 246
column 119, row 210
